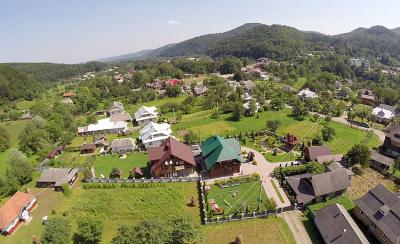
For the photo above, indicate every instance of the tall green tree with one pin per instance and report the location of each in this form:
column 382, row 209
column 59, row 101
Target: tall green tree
column 57, row 231
column 237, row 111
column 359, row 154
column 5, row 141
column 89, row 231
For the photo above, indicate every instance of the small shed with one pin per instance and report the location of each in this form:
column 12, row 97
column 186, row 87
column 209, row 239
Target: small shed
column 88, row 148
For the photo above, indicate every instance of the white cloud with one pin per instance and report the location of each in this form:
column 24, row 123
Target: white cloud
column 173, row 22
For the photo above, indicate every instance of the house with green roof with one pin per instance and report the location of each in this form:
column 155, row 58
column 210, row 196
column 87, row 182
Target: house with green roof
column 221, row 156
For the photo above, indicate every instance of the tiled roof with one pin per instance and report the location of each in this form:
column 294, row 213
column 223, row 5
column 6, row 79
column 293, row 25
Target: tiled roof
column 13, row 207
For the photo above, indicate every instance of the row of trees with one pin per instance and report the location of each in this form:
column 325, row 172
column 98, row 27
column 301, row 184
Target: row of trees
column 178, row 230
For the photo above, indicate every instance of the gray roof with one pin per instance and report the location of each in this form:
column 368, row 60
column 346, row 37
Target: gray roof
column 309, row 186
column 377, row 157
column 120, row 117
column 124, row 142
column 330, row 182
column 329, row 158
column 57, row 175
column 336, row 226
column 387, row 107
column 382, row 207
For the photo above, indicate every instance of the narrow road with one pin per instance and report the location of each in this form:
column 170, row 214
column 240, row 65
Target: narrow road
column 264, row 169
column 293, row 219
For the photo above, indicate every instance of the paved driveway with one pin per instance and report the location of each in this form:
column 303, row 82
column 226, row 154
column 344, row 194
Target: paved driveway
column 264, row 169
column 292, row 218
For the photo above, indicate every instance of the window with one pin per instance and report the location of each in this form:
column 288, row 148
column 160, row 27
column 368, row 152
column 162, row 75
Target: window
column 384, row 237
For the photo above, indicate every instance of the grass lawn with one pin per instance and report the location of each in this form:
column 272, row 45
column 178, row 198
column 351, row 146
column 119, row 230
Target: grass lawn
column 116, row 207
column 299, row 83
column 272, row 230
column 344, row 200
column 204, row 126
column 24, row 105
column 14, row 128
column 104, row 164
column 247, row 194
column 131, row 109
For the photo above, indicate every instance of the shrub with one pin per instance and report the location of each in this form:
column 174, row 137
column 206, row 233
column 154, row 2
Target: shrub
column 66, row 189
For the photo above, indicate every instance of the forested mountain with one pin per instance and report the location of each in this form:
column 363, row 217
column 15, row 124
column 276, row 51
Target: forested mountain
column 376, row 41
column 147, row 53
column 283, row 42
column 28, row 80
column 396, row 30
column 50, row 72
column 275, row 41
column 200, row 45
column 15, row 84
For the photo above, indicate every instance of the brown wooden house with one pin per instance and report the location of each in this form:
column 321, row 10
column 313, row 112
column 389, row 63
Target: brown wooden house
column 221, row 156
column 312, row 152
column 171, row 159
column 88, row 148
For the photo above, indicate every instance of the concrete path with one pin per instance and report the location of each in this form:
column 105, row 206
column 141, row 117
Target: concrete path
column 293, row 219
column 264, row 169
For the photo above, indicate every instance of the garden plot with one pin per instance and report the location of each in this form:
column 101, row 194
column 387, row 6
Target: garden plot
column 234, row 198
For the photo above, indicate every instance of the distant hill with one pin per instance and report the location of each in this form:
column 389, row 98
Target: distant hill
column 200, row 45
column 15, row 85
column 279, row 42
column 396, row 30
column 375, row 41
column 147, row 53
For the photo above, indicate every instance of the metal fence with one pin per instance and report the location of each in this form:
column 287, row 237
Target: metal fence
column 230, row 218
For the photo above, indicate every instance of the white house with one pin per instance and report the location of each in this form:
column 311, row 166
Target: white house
column 145, row 115
column 154, row 134
column 384, row 113
column 306, row 94
column 104, row 126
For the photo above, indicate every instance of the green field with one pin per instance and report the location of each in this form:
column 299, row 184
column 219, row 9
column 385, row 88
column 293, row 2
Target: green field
column 24, row 105
column 122, row 206
column 104, row 164
column 247, row 194
column 14, row 128
column 204, row 126
column 272, row 230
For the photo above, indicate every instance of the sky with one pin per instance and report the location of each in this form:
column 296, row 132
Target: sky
column 74, row 31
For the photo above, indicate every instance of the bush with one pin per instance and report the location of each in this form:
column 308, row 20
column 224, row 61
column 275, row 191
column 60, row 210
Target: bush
column 66, row 189
column 240, row 180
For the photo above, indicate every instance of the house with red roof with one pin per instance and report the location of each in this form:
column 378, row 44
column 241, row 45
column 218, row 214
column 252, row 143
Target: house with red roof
column 171, row 159
column 173, row 82
column 16, row 211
